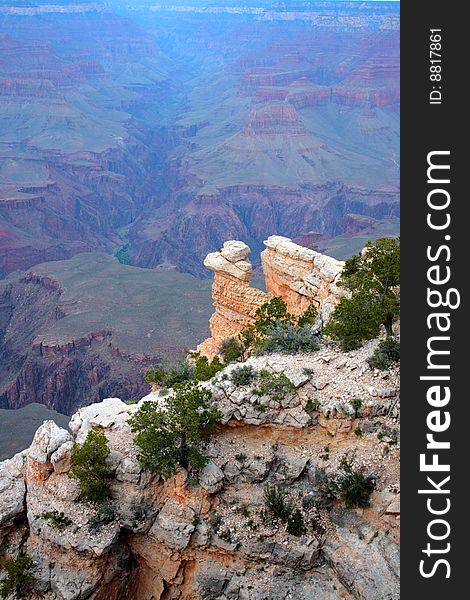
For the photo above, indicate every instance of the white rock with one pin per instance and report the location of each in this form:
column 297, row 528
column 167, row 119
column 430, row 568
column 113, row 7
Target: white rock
column 211, row 478
column 235, row 250
column 217, row 263
column 47, row 439
column 103, row 414
column 12, row 493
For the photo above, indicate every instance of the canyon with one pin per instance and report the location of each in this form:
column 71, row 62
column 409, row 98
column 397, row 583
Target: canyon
column 173, row 134
column 155, row 134
column 69, row 335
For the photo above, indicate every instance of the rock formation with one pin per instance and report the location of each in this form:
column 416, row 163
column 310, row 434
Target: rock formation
column 193, row 539
column 297, row 274
column 235, row 301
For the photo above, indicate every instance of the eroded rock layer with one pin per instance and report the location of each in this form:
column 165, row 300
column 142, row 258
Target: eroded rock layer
column 298, row 275
column 211, row 538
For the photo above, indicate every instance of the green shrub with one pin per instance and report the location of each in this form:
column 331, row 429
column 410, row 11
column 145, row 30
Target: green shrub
column 386, row 354
column 4, row 545
column 277, row 502
column 373, row 277
column 57, row 519
column 89, row 467
column 308, row 317
column 226, row 535
column 105, row 513
column 184, row 371
column 18, row 579
column 171, row 437
column 356, row 403
column 288, row 339
column 216, row 521
column 295, row 523
column 270, row 313
column 231, row 350
column 312, row 404
column 180, row 372
column 205, row 370
column 241, row 457
column 274, row 385
column 351, row 486
column 244, row 375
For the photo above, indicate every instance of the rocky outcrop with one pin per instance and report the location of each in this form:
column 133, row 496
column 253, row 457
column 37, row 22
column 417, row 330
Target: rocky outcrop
column 298, row 275
column 235, row 301
column 211, row 537
column 301, row 276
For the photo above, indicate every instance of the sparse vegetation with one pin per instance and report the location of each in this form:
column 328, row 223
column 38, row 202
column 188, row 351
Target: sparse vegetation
column 276, row 386
column 174, row 436
column 277, row 502
column 386, row 354
column 295, row 523
column 312, row 404
column 288, row 339
column 226, row 535
column 89, row 467
column 57, row 519
column 105, row 513
column 244, row 375
column 356, row 403
column 139, row 514
column 352, row 486
column 373, row 277
column 18, row 578
column 231, row 350
column 216, row 521
column 241, row 457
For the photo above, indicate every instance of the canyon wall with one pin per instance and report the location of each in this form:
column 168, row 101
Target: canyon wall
column 299, row 275
column 211, row 537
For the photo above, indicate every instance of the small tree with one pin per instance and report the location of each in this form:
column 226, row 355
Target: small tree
column 18, row 580
column 90, row 468
column 354, row 320
column 270, row 313
column 373, row 278
column 231, row 350
column 173, row 436
column 205, row 370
